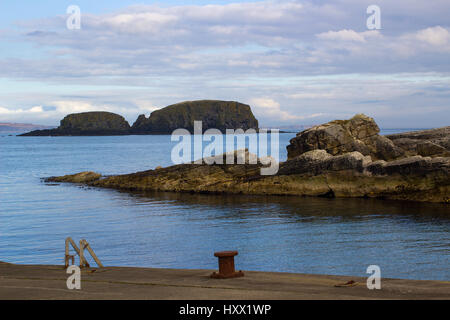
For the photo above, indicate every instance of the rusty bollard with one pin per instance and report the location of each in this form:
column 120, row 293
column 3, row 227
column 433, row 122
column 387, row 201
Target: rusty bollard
column 226, row 265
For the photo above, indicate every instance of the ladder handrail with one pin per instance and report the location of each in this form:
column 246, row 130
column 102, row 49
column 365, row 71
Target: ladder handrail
column 84, row 244
column 80, row 251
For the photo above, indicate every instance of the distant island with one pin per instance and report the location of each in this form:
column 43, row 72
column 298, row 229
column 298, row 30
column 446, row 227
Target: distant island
column 217, row 114
column 96, row 123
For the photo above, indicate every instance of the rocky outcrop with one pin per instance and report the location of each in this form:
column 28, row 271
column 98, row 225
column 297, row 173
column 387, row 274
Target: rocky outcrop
column 81, row 177
column 314, row 173
column 339, row 159
column 217, row 114
column 86, row 124
column 361, row 134
column 337, row 137
column 434, row 142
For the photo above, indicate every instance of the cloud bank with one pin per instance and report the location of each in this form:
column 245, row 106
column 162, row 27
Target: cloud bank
column 293, row 61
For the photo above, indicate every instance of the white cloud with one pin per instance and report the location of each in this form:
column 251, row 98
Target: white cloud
column 265, row 38
column 436, row 36
column 267, row 107
column 6, row 111
column 434, row 40
column 145, row 107
column 234, row 51
column 66, row 107
column 265, row 103
column 61, row 108
column 313, row 95
column 145, row 22
column 72, row 106
column 32, row 114
column 344, row 35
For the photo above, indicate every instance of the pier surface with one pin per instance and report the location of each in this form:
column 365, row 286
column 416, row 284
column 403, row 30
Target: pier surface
column 49, row 282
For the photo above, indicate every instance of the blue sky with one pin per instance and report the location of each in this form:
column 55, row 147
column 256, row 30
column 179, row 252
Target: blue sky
column 294, row 62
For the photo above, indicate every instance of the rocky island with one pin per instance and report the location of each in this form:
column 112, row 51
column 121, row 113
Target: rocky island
column 342, row 158
column 213, row 114
column 97, row 123
column 216, row 114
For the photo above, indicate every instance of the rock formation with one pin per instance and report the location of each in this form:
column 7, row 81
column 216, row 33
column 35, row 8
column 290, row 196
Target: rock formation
column 434, row 142
column 359, row 133
column 315, row 173
column 336, row 170
column 221, row 115
column 86, row 124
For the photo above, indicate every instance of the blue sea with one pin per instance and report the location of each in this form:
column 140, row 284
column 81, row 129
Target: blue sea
column 168, row 230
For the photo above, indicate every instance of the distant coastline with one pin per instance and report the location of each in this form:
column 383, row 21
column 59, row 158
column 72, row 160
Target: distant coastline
column 12, row 127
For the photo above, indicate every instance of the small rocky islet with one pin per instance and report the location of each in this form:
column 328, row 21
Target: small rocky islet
column 341, row 158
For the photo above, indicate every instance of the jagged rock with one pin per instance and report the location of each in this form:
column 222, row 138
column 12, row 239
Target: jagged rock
column 319, row 161
column 311, row 162
column 86, row 124
column 216, row 114
column 429, row 148
column 376, row 167
column 433, row 142
column 382, row 148
column 349, row 161
column 415, row 165
column 359, row 133
column 241, row 156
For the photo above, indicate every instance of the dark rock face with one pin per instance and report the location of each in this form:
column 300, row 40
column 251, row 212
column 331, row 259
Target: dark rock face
column 415, row 165
column 87, row 123
column 337, row 137
column 319, row 162
column 94, row 121
column 221, row 115
column 434, row 142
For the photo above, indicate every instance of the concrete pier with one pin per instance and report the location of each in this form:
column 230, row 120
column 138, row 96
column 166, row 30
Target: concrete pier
column 49, row 282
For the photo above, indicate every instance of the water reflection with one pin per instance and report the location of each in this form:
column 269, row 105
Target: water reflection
column 293, row 207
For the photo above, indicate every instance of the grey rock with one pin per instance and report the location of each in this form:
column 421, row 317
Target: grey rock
column 338, row 137
column 433, row 142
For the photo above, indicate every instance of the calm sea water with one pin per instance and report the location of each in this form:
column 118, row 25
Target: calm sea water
column 293, row 234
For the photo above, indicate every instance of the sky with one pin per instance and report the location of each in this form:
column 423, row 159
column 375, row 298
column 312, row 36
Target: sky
column 294, row 62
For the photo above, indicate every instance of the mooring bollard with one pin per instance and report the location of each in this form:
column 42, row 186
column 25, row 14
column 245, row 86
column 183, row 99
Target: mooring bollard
column 226, row 265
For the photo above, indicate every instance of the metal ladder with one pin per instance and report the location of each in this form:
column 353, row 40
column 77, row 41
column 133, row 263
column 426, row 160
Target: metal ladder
column 80, row 251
